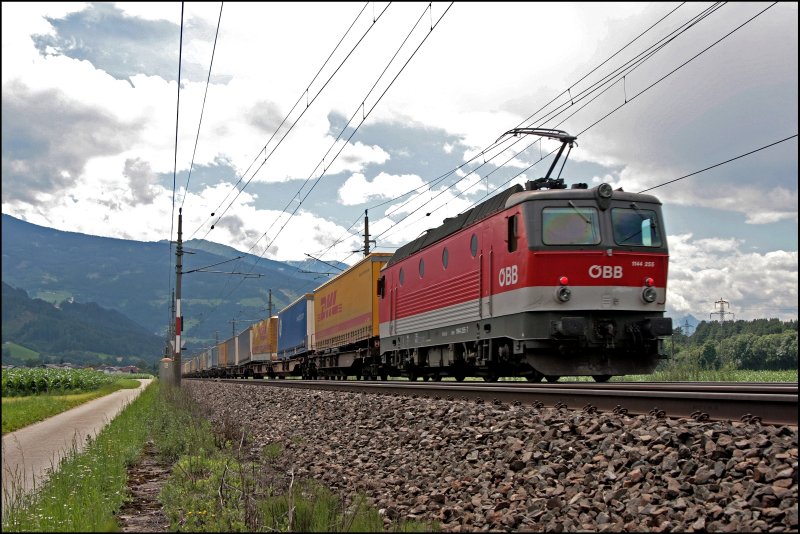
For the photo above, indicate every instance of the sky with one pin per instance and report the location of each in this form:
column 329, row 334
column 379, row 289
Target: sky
column 310, row 114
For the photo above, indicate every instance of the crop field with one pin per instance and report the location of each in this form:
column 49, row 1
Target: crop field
column 31, row 381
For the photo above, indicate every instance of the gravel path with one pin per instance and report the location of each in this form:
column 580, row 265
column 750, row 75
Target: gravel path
column 477, row 467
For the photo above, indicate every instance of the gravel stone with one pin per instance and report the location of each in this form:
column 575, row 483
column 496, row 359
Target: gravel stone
column 497, row 467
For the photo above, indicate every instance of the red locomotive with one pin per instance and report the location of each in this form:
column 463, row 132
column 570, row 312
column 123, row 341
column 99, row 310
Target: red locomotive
column 541, row 281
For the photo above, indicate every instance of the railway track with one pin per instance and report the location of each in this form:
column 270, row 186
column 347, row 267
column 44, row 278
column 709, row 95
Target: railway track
column 769, row 403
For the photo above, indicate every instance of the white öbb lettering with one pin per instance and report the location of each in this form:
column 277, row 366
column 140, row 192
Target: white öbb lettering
column 508, row 276
column 605, row 271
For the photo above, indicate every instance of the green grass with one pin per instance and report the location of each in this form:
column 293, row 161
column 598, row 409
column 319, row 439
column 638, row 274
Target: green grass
column 53, row 297
column 215, row 488
column 19, row 412
column 21, row 353
column 694, row 375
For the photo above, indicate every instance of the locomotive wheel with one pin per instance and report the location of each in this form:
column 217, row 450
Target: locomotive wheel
column 491, row 377
column 459, row 377
column 384, row 377
column 601, row 378
column 534, row 378
column 437, row 378
column 552, row 378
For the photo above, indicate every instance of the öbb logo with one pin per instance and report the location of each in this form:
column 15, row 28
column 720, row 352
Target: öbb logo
column 508, row 276
column 605, row 271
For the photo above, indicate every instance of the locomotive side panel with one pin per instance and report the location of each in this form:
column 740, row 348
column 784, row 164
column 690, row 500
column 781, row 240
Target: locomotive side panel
column 445, row 293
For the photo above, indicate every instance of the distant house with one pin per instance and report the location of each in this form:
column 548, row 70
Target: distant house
column 110, row 369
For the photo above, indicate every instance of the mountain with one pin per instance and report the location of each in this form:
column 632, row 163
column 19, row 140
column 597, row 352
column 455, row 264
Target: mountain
column 687, row 323
column 136, row 278
column 74, row 330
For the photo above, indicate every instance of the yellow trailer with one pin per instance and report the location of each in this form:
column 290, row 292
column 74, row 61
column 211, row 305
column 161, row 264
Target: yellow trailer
column 265, row 339
column 346, row 318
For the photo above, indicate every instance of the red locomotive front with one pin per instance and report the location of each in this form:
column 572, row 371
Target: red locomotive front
column 534, row 282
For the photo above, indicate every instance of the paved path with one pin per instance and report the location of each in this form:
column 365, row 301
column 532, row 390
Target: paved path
column 30, row 452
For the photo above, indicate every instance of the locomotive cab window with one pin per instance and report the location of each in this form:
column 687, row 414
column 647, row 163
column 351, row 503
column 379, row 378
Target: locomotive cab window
column 635, row 227
column 512, row 233
column 570, row 226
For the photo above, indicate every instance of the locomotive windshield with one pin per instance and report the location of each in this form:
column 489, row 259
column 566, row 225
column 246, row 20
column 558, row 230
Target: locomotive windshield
column 570, row 226
column 635, row 227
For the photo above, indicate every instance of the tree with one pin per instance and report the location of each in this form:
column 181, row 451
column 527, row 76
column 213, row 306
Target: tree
column 708, row 356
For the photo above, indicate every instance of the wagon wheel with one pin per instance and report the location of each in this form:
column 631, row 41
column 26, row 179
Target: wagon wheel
column 601, row 378
column 536, row 377
column 491, row 377
column 552, row 378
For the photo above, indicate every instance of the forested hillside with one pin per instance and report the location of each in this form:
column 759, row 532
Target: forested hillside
column 768, row 344
column 135, row 278
column 74, row 332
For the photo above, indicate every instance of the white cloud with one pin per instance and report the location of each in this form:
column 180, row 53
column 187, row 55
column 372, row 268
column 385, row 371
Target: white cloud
column 358, row 189
column 704, row 271
column 83, row 151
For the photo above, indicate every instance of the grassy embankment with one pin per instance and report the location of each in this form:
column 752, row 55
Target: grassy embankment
column 214, row 486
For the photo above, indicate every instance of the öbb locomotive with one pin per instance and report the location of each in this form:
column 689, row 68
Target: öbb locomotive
column 540, row 281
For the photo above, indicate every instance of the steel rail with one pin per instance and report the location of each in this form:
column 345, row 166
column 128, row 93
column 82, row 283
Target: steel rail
column 774, row 404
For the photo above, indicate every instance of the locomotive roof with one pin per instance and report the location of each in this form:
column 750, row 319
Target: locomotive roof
column 508, row 198
column 577, row 194
column 452, row 225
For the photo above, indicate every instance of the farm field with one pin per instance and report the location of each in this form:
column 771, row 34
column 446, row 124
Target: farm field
column 32, row 395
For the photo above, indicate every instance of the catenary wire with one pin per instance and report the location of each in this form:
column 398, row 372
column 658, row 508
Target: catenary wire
column 203, row 107
column 366, row 114
column 294, row 123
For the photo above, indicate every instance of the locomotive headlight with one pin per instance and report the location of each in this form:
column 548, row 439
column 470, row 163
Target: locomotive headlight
column 604, row 191
column 649, row 294
column 563, row 294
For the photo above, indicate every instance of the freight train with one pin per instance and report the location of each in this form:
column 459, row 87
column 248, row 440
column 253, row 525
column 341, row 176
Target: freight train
column 540, row 282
